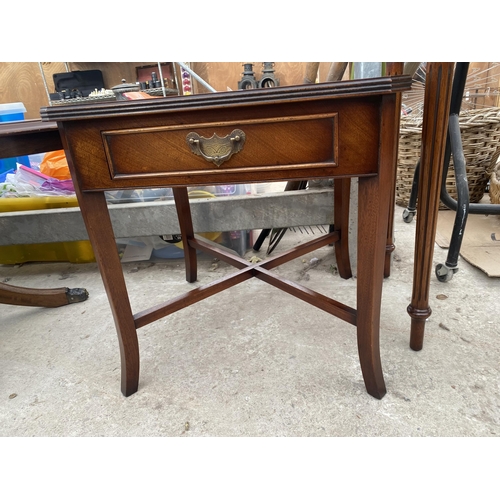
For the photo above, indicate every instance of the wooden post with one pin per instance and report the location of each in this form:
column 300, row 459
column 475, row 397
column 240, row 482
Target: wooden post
column 437, row 98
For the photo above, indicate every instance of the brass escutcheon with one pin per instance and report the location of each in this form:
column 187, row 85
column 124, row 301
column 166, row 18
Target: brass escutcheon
column 216, row 149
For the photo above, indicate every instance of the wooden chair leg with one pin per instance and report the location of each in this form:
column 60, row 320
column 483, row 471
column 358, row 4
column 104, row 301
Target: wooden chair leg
column 100, row 230
column 342, row 194
column 41, row 297
column 186, row 224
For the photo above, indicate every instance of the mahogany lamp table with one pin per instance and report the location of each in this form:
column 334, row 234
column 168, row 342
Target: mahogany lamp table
column 332, row 130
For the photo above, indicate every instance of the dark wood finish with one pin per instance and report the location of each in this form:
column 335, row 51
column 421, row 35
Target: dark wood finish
column 438, row 84
column 342, row 196
column 41, row 297
column 335, row 130
column 159, row 125
column 373, row 223
column 28, row 137
column 98, row 223
column 186, row 224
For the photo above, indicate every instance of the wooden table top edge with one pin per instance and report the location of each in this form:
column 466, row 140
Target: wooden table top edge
column 328, row 90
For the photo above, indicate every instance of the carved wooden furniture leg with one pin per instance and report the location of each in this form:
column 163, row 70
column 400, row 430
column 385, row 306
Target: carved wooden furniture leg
column 41, row 297
column 186, row 224
column 100, row 230
column 342, row 193
column 438, row 84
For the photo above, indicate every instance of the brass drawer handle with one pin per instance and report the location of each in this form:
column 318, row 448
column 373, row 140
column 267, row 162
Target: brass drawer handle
column 216, row 149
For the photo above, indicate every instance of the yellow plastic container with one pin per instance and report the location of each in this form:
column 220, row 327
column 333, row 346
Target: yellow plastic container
column 68, row 251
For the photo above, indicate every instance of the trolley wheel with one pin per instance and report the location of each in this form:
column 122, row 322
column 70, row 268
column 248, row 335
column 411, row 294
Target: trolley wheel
column 408, row 215
column 444, row 273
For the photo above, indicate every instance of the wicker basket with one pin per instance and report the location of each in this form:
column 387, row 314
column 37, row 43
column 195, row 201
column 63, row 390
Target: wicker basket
column 495, row 185
column 480, row 132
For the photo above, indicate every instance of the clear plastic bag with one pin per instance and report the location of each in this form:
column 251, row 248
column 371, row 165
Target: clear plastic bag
column 27, row 182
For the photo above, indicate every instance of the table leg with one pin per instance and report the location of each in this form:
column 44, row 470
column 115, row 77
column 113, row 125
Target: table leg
column 181, row 198
column 392, row 69
column 372, row 237
column 100, row 230
column 374, row 200
column 41, row 297
column 438, row 84
column 341, row 195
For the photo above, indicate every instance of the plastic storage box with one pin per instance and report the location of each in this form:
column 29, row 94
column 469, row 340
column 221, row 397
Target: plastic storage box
column 11, row 112
column 69, row 251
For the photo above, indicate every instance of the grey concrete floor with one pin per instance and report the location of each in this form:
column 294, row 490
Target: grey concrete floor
column 251, row 361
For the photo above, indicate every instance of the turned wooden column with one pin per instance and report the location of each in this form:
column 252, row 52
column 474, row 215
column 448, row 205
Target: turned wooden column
column 438, row 84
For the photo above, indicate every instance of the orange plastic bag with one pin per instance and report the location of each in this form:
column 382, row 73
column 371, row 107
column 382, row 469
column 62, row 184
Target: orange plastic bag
column 54, row 164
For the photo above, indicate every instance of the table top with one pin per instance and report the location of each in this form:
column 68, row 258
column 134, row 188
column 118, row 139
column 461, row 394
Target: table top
column 28, row 137
column 331, row 90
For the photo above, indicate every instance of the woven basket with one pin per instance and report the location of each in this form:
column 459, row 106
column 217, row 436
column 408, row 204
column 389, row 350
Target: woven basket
column 480, row 132
column 495, row 185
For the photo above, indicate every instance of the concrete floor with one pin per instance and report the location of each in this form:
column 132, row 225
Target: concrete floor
column 252, row 361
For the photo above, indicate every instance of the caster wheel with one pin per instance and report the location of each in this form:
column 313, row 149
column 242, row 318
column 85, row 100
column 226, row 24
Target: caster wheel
column 444, row 274
column 408, row 216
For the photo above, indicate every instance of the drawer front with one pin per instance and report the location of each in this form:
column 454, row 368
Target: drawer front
column 241, row 148
column 230, row 146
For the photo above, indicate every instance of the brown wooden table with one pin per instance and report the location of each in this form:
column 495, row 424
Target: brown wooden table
column 34, row 136
column 334, row 130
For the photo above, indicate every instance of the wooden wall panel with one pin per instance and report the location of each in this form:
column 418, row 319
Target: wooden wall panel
column 483, row 80
column 224, row 75
column 22, row 82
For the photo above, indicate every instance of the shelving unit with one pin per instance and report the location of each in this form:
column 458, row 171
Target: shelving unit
column 166, row 71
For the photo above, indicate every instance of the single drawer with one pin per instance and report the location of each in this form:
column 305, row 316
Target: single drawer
column 237, row 148
column 227, row 146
